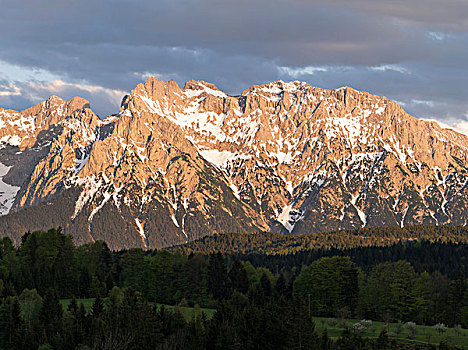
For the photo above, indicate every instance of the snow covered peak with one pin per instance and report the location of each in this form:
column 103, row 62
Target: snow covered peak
column 277, row 87
column 194, row 88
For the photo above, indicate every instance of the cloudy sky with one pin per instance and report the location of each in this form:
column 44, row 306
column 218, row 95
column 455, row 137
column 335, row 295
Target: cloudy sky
column 412, row 51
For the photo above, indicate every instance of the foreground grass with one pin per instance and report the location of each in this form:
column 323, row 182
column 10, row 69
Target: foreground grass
column 424, row 334
column 187, row 312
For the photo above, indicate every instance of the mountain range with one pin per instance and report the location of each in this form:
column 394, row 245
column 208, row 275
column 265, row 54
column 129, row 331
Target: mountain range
column 176, row 164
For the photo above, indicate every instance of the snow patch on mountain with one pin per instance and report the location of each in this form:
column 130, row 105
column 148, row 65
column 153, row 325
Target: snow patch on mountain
column 90, row 186
column 7, row 192
column 284, row 217
column 141, row 232
column 218, row 158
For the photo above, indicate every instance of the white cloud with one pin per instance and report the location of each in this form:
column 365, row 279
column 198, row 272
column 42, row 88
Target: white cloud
column 391, row 67
column 9, row 89
column 436, row 35
column 461, row 127
column 299, row 71
column 401, row 103
column 23, row 73
column 441, row 123
column 42, row 90
column 423, row 102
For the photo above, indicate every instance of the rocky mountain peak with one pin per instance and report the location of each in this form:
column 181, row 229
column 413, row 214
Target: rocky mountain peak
column 77, row 103
column 53, row 100
column 155, row 89
column 201, row 85
column 21, row 128
column 177, row 163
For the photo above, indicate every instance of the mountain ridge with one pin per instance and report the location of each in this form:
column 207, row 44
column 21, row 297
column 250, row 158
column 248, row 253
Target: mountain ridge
column 178, row 163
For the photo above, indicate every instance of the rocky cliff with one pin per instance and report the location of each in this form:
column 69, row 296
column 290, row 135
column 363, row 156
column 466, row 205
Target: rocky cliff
column 178, row 163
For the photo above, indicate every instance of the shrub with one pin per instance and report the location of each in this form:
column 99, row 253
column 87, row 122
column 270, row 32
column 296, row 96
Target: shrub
column 362, row 326
column 440, row 328
column 412, row 330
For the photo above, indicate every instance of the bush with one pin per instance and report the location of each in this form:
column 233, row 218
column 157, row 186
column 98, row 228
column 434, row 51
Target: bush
column 362, row 326
column 440, row 328
column 412, row 329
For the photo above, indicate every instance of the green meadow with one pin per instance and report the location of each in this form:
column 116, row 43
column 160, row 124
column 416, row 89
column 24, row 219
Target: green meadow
column 422, row 334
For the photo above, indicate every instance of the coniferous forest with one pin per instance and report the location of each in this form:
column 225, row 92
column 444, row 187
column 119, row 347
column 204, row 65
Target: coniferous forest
column 261, row 301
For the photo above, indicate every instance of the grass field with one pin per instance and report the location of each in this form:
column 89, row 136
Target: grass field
column 188, row 312
column 87, row 303
column 424, row 334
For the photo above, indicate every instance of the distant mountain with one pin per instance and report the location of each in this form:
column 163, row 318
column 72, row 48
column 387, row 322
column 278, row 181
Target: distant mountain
column 176, row 164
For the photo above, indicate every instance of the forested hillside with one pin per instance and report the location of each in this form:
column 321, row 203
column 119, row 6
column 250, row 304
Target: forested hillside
column 257, row 306
column 277, row 244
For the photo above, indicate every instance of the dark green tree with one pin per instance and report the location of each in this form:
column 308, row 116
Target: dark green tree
column 280, row 285
column 218, row 277
column 238, row 277
column 265, row 283
column 11, row 324
column 332, row 284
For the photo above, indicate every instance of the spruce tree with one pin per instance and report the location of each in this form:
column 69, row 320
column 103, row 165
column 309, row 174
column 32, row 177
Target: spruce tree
column 238, row 277
column 217, row 277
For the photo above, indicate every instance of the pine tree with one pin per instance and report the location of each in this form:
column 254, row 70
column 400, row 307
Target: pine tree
column 11, row 324
column 51, row 312
column 218, row 277
column 97, row 308
column 266, row 285
column 280, row 285
column 238, row 277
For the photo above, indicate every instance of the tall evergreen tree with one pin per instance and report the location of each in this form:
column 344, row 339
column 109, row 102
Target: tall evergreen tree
column 11, row 323
column 280, row 285
column 238, row 277
column 218, row 277
column 266, row 285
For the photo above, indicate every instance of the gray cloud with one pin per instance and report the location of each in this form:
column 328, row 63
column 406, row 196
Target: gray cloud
column 409, row 52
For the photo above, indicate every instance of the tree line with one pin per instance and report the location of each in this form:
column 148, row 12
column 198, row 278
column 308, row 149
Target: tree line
column 268, row 243
column 447, row 258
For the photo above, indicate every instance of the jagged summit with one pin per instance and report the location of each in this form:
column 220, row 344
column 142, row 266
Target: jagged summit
column 200, row 85
column 178, row 163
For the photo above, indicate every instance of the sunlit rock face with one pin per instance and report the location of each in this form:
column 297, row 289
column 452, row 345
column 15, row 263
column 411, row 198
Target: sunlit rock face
column 179, row 163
